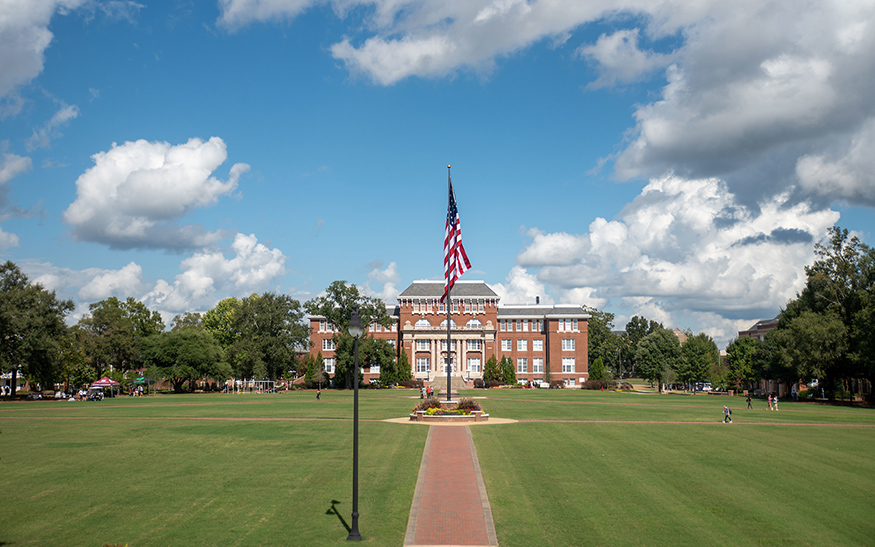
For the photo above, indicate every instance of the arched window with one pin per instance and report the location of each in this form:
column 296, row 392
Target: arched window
column 444, row 323
column 474, row 324
column 422, row 324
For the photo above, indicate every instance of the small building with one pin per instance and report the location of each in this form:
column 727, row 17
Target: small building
column 541, row 340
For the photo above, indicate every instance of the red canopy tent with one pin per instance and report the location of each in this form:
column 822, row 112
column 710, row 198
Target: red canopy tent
column 105, row 382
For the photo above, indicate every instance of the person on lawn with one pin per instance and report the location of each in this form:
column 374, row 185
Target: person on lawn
column 727, row 415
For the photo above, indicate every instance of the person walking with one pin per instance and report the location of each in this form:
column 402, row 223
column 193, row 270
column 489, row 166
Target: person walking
column 749, row 406
column 775, row 401
column 769, row 398
column 318, row 393
column 727, row 415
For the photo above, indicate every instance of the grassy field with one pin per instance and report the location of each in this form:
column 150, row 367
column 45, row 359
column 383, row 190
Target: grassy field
column 579, row 468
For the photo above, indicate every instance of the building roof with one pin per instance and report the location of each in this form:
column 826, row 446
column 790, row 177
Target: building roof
column 559, row 310
column 435, row 289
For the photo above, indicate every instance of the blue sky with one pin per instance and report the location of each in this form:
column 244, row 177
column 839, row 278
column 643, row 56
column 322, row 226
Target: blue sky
column 676, row 160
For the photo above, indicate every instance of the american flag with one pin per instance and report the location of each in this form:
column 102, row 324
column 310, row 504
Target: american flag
column 455, row 259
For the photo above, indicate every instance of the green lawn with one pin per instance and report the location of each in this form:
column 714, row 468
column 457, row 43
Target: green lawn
column 580, row 468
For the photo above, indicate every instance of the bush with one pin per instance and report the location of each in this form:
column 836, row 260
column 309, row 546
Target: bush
column 493, row 383
column 598, row 384
column 431, row 402
column 557, row 384
column 469, row 404
column 412, row 383
column 479, row 383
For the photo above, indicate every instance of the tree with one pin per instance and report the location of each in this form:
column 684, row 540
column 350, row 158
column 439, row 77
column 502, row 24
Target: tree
column 31, row 327
column 508, row 372
column 268, row 331
column 600, row 337
column 186, row 355
column 336, row 306
column 187, row 320
column 636, row 329
column 378, row 352
column 740, row 355
column 219, row 321
column 492, row 371
column 116, row 332
column 658, row 356
column 597, row 370
column 700, row 357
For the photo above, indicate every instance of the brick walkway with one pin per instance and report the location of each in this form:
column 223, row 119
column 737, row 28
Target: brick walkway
column 450, row 506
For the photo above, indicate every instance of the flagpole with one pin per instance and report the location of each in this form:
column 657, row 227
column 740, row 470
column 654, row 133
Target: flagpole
column 449, row 298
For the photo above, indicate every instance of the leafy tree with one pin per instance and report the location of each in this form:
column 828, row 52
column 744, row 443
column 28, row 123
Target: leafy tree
column 600, row 337
column 31, row 327
column 187, row 320
column 219, row 321
column 268, row 329
column 116, row 332
column 492, row 370
column 658, row 356
column 508, row 372
column 186, row 355
column 336, row 306
column 740, row 355
column 597, row 370
column 636, row 329
column 700, row 357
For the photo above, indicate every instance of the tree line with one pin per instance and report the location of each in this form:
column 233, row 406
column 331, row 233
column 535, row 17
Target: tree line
column 260, row 336
column 825, row 334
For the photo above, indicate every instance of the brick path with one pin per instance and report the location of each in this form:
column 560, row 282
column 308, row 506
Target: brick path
column 450, row 506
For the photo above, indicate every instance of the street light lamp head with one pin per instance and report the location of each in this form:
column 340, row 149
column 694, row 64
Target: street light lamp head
column 355, row 328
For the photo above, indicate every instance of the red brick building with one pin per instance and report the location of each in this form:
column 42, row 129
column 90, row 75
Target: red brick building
column 535, row 337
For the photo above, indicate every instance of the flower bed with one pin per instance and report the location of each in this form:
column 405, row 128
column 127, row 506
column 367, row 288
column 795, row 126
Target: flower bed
column 433, row 410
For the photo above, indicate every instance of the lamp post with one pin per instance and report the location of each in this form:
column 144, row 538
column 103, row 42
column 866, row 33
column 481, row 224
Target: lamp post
column 355, row 330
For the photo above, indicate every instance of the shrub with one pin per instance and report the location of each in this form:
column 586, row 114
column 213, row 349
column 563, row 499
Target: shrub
column 557, row 384
column 493, row 383
column 431, row 402
column 479, row 383
column 413, row 383
column 469, row 404
column 598, row 384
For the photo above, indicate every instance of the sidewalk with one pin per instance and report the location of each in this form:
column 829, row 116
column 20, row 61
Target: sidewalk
column 450, row 506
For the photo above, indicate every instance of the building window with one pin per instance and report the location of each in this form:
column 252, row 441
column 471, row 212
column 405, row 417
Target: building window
column 522, row 365
column 422, row 324
column 473, row 345
column 537, row 365
column 392, row 342
column 323, row 325
column 474, row 324
column 444, row 345
column 505, row 345
column 536, row 326
column 421, row 365
column 375, row 369
column 502, row 325
column 394, row 327
column 568, row 344
column 329, row 365
column 378, row 327
column 537, row 345
column 474, row 365
column 480, row 306
column 525, row 325
column 455, row 306
column 328, row 344
column 521, row 345
column 423, row 345
column 567, row 364
column 452, row 366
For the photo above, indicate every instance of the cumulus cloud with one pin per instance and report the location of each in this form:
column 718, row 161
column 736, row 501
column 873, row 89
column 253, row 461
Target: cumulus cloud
column 13, row 165
column 684, row 247
column 387, row 279
column 207, row 276
column 119, row 283
column 136, row 192
column 521, row 287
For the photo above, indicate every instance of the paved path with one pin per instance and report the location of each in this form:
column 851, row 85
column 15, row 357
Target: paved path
column 450, row 506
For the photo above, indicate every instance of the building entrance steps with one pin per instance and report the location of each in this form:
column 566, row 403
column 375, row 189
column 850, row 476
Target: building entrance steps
column 440, row 383
column 450, row 505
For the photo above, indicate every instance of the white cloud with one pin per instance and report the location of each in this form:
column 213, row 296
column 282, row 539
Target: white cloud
column 208, row 276
column 619, row 59
column 12, row 166
column 521, row 287
column 387, row 278
column 43, row 136
column 847, row 172
column 684, row 247
column 119, row 283
column 237, row 13
column 136, row 192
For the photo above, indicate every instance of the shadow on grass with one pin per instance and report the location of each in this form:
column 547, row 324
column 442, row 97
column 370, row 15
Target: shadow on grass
column 333, row 511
